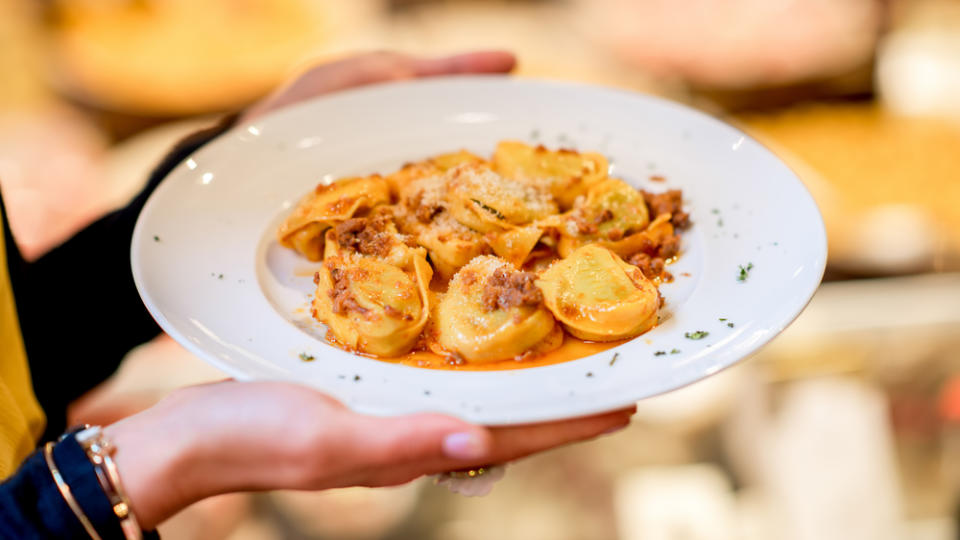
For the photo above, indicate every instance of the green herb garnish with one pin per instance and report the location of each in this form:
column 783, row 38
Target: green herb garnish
column 306, row 357
column 699, row 334
column 730, row 324
column 614, row 359
column 660, row 353
column 744, row 271
column 490, row 209
column 674, row 351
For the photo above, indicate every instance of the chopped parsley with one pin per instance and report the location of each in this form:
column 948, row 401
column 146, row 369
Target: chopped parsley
column 744, row 271
column 715, row 211
column 660, row 353
column 589, row 374
column 674, row 351
column 219, row 276
column 614, row 359
column 306, row 357
column 730, row 324
column 490, row 209
column 722, row 319
column 156, row 238
column 699, row 334
column 356, row 378
column 720, row 222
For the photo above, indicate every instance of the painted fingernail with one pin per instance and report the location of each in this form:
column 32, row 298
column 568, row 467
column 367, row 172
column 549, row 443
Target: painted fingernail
column 463, row 446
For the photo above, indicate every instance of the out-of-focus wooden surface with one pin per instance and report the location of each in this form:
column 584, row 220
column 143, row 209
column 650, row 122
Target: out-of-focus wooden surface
column 888, row 185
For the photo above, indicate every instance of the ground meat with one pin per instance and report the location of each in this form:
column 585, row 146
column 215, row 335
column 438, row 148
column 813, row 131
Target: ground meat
column 668, row 202
column 423, row 211
column 587, row 225
column 365, row 235
column 468, row 278
column 505, row 290
column 584, row 226
column 670, row 247
column 343, row 300
column 651, row 267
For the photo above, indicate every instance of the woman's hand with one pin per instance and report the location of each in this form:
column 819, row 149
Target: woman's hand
column 377, row 67
column 243, row 436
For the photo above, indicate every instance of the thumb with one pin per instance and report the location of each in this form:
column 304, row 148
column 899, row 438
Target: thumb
column 424, row 437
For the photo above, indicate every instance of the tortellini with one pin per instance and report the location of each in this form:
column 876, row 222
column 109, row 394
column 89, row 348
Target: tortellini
column 326, row 206
column 611, row 212
column 426, row 216
column 566, row 173
column 515, row 245
column 599, row 297
column 450, row 244
column 493, row 312
column 486, row 261
column 434, row 166
column 487, row 202
column 373, row 289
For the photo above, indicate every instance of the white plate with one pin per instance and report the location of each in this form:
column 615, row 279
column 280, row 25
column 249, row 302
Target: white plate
column 209, row 270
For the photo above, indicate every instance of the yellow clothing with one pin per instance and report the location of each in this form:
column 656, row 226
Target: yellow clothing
column 21, row 418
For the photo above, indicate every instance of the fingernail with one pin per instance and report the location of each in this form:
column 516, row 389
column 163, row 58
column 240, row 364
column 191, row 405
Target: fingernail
column 463, row 446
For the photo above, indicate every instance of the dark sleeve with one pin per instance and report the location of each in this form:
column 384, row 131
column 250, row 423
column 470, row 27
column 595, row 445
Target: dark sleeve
column 79, row 309
column 31, row 506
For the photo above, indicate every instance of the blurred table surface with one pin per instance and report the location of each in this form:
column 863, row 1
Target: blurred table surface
column 887, row 185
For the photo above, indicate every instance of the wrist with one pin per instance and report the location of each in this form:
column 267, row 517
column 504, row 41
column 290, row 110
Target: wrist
column 157, row 465
column 187, row 448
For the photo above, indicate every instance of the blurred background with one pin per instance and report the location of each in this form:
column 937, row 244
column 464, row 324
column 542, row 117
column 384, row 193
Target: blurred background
column 845, row 427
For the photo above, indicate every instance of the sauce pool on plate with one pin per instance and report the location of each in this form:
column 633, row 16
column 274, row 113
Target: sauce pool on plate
column 571, row 349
